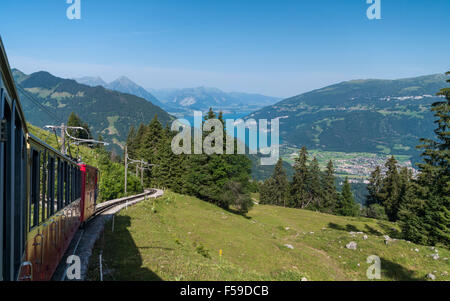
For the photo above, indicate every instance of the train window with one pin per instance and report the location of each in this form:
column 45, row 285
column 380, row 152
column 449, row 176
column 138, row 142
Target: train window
column 63, row 182
column 74, row 186
column 74, row 183
column 66, row 184
column 79, row 183
column 43, row 181
column 70, row 183
column 51, row 184
column 58, row 186
column 34, row 200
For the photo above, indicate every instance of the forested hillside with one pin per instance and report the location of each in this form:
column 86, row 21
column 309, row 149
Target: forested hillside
column 384, row 116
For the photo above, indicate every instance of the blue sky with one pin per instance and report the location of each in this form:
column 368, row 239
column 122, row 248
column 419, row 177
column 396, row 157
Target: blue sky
column 280, row 48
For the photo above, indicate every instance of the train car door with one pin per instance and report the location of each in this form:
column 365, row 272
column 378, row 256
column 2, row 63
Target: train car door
column 7, row 193
column 2, row 177
column 12, row 191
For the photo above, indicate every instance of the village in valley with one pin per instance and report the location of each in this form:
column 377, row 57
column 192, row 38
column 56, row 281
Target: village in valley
column 356, row 166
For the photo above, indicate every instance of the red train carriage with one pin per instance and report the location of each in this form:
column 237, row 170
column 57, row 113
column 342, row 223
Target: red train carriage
column 44, row 195
column 89, row 190
column 54, row 209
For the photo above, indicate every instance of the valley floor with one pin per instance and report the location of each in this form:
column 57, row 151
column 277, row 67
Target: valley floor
column 181, row 238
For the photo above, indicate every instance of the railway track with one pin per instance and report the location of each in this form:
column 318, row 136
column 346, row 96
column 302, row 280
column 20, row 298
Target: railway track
column 106, row 206
column 85, row 239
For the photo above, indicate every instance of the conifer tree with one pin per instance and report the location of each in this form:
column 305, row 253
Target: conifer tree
column 346, row 205
column 76, row 121
column 390, row 190
column 275, row 190
column 374, row 188
column 314, row 186
column 330, row 194
column 265, row 192
column 427, row 218
column 299, row 191
column 151, row 138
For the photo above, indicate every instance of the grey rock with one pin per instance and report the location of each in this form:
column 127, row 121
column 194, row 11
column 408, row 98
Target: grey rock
column 351, row 245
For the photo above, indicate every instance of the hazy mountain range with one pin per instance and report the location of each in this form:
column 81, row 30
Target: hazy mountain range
column 376, row 116
column 184, row 101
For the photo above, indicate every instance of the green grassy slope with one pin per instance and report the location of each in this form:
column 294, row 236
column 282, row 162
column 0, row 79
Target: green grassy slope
column 178, row 238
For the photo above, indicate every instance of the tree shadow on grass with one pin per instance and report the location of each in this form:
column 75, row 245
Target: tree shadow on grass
column 237, row 212
column 336, row 227
column 351, row 228
column 348, row 227
column 122, row 257
column 394, row 271
column 392, row 232
column 372, row 231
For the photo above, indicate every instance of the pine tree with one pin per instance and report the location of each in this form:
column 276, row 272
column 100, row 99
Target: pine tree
column 75, row 121
column 135, row 145
column 219, row 178
column 281, row 183
column 390, row 190
column 374, row 187
column 299, row 191
column 265, row 192
column 346, row 205
column 314, row 186
column 427, row 218
column 330, row 194
column 275, row 190
column 151, row 138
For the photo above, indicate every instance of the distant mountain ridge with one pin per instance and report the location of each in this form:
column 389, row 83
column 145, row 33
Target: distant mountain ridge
column 185, row 101
column 384, row 116
column 108, row 112
column 202, row 98
column 122, row 84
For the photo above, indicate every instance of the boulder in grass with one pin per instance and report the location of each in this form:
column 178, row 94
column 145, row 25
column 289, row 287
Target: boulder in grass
column 431, row 276
column 289, row 246
column 351, row 245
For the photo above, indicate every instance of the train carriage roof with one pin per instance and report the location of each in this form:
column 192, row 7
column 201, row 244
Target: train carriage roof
column 9, row 85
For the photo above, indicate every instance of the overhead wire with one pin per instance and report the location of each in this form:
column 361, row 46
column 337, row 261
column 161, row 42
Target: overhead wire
column 36, row 102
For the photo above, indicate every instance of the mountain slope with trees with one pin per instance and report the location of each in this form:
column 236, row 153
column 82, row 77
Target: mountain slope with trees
column 109, row 113
column 387, row 116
